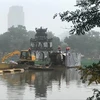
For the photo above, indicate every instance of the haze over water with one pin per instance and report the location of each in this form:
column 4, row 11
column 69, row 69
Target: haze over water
column 45, row 85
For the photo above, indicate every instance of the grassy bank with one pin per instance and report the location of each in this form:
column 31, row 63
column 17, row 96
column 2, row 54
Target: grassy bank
column 88, row 61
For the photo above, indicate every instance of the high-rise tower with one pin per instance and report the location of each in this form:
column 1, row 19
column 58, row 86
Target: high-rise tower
column 15, row 16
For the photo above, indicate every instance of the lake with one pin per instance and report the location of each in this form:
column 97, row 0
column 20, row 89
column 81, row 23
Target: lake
column 60, row 84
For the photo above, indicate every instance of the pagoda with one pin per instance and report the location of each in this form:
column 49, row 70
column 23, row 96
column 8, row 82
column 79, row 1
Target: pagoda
column 41, row 45
column 41, row 41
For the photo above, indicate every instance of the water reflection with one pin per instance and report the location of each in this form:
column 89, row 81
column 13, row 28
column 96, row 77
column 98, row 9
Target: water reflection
column 38, row 81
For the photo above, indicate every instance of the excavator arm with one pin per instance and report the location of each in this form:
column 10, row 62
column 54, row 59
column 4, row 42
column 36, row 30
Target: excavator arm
column 10, row 55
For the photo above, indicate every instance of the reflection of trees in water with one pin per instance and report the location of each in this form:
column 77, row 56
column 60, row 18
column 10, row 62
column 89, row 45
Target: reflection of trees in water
column 45, row 79
column 15, row 92
column 57, row 75
column 15, row 86
column 71, row 75
column 14, row 79
column 41, row 83
column 67, row 75
column 40, row 80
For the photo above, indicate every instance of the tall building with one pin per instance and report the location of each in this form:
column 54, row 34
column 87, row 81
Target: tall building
column 15, row 16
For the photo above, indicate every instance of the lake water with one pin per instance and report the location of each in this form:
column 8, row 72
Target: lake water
column 60, row 84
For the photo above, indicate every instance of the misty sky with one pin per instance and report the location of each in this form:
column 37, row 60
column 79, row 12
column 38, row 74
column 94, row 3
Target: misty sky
column 38, row 13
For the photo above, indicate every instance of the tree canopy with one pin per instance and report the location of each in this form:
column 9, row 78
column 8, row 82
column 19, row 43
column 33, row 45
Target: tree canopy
column 14, row 39
column 85, row 18
column 89, row 48
column 18, row 38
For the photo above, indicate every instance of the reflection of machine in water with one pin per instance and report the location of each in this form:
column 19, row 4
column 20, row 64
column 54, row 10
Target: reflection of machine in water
column 19, row 78
column 15, row 86
column 72, row 75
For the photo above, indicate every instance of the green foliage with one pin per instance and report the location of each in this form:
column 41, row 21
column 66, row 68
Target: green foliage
column 83, row 19
column 63, row 46
column 88, row 44
column 56, row 43
column 91, row 73
column 96, row 95
column 55, row 40
column 50, row 35
column 31, row 34
column 88, row 61
column 18, row 38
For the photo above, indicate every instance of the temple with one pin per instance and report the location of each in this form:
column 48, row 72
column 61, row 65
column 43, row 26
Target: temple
column 41, row 46
column 41, row 41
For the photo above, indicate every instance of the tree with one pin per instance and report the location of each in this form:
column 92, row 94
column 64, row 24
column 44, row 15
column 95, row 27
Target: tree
column 31, row 34
column 85, row 18
column 4, row 42
column 55, row 40
column 50, row 34
column 16, row 38
column 90, row 47
column 63, row 46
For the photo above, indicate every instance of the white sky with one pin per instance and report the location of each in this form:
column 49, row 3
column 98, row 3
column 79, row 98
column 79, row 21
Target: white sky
column 38, row 13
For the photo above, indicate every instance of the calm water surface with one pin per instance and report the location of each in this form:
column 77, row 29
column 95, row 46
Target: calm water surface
column 61, row 84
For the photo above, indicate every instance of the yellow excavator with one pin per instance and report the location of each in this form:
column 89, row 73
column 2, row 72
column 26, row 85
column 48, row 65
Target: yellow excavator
column 25, row 57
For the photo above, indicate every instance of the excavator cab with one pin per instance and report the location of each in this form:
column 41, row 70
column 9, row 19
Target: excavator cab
column 26, row 57
column 25, row 54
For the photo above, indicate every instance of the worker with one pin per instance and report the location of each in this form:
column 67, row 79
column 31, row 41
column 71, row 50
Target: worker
column 59, row 49
column 29, row 50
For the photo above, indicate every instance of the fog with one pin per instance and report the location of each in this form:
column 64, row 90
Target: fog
column 38, row 13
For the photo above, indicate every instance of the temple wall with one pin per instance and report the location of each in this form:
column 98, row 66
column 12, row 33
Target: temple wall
column 72, row 59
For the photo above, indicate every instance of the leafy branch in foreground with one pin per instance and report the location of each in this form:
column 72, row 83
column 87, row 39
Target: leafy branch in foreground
column 96, row 95
column 83, row 19
column 91, row 73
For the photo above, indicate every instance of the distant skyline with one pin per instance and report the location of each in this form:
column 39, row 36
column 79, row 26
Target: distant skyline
column 15, row 16
column 38, row 13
